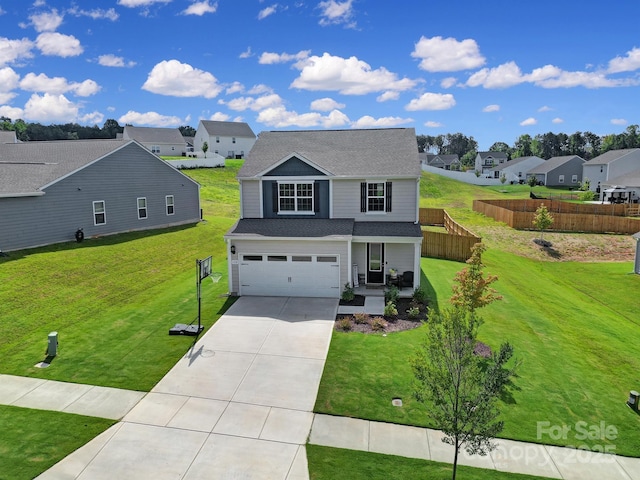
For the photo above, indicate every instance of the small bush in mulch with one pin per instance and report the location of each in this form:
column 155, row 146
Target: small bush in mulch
column 343, row 324
column 360, row 318
column 378, row 324
column 406, row 319
column 356, row 301
column 482, row 350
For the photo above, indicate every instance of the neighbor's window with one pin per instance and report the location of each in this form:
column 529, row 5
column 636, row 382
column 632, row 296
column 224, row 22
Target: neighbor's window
column 217, row 139
column 142, row 208
column 375, row 197
column 169, row 202
column 574, row 178
column 233, row 139
column 561, row 179
column 155, row 149
column 99, row 213
column 295, row 197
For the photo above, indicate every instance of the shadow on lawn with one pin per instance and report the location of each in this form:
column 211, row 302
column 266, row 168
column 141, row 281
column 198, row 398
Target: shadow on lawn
column 428, row 289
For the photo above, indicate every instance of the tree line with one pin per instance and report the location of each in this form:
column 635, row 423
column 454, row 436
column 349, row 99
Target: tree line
column 587, row 145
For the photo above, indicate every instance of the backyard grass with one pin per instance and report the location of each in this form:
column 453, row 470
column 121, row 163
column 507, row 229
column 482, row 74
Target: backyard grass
column 34, row 440
column 327, row 463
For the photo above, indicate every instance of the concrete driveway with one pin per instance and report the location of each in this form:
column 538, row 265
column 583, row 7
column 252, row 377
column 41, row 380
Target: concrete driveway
column 237, row 405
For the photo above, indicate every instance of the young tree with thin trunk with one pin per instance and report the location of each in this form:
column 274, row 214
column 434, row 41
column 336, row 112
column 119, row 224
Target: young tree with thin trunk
column 205, row 147
column 542, row 219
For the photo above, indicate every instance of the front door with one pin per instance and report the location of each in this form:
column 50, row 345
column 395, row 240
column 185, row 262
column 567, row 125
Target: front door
column 375, row 263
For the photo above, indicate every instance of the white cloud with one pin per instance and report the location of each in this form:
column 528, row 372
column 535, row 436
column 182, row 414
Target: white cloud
column 269, row 58
column 368, row 121
column 503, row 76
column 491, row 108
column 200, row 8
column 628, row 63
column 13, row 50
column 585, row 79
column 246, row 54
column 259, row 89
column 618, row 121
column 59, row 45
column 439, row 54
column 140, row 3
column 265, row 12
column 96, row 13
column 153, row 119
column 93, row 118
column 432, row 124
column 431, row 101
column 528, row 121
column 545, row 108
column 386, row 96
column 235, row 87
column 11, row 112
column 349, row 76
column 57, row 85
column 50, row 108
column 9, row 80
column 557, row 120
column 326, row 104
column 280, row 117
column 170, row 77
column 335, row 13
column 448, row 82
column 110, row 60
column 219, row 117
column 46, row 21
column 241, row 104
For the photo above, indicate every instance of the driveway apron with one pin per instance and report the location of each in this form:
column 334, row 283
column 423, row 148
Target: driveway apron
column 237, row 405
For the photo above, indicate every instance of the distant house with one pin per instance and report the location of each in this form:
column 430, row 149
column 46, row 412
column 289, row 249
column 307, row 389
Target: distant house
column 50, row 190
column 486, row 161
column 167, row 142
column 8, row 136
column 229, row 139
column 446, row 162
column 515, row 171
column 564, row 171
column 610, row 165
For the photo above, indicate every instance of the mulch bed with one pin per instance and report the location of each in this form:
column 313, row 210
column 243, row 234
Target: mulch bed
column 393, row 324
column 358, row 301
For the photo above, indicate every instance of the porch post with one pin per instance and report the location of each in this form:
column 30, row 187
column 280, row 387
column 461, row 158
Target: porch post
column 417, row 248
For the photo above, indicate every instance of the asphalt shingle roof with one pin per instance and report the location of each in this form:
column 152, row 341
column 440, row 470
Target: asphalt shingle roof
column 515, row 161
column 484, row 155
column 228, row 129
column 610, row 156
column 391, row 152
column 553, row 163
column 154, row 135
column 26, row 167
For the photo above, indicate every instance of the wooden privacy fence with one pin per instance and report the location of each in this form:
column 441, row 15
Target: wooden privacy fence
column 567, row 217
column 454, row 245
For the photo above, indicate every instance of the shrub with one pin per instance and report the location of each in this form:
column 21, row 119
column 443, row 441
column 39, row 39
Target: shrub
column 360, row 318
column 413, row 312
column 348, row 294
column 378, row 324
column 390, row 310
column 391, row 294
column 586, row 196
column 344, row 324
column 420, row 296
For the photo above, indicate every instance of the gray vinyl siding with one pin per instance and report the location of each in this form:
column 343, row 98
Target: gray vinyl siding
column 294, row 167
column 568, row 169
column 118, row 180
column 290, row 247
column 251, row 199
column 346, row 201
column 397, row 255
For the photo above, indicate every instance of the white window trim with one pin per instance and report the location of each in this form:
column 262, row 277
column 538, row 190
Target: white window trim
column 295, row 198
column 104, row 212
column 172, row 204
column 560, row 178
column 145, row 208
column 384, row 198
column 574, row 178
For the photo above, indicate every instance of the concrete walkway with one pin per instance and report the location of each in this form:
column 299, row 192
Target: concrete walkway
column 238, row 405
column 509, row 456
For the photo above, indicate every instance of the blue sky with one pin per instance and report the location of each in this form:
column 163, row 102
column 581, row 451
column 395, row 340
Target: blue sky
column 493, row 70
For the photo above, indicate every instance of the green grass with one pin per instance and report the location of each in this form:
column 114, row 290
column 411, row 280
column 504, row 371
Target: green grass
column 34, row 440
column 327, row 463
column 573, row 327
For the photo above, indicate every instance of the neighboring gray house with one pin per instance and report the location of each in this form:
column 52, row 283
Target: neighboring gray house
column 311, row 222
column 229, row 139
column 564, row 171
column 8, row 136
column 487, row 161
column 49, row 190
column 515, row 171
column 446, row 162
column 614, row 164
column 166, row 142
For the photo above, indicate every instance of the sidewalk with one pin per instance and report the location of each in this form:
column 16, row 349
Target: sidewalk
column 509, row 456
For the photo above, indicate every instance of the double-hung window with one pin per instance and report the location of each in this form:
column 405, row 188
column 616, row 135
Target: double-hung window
column 142, row 208
column 170, row 203
column 99, row 213
column 375, row 197
column 295, row 197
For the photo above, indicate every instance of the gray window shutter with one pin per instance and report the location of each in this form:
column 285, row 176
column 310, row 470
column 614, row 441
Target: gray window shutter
column 363, row 196
column 387, row 192
column 274, row 196
column 316, row 196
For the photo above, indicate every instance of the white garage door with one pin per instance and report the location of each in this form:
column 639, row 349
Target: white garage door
column 290, row 275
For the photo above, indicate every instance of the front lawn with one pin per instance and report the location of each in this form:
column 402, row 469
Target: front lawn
column 573, row 325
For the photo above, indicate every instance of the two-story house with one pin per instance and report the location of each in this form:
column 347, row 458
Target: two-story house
column 446, row 162
column 161, row 141
column 228, row 139
column 515, row 171
column 613, row 168
column 318, row 208
column 486, row 161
